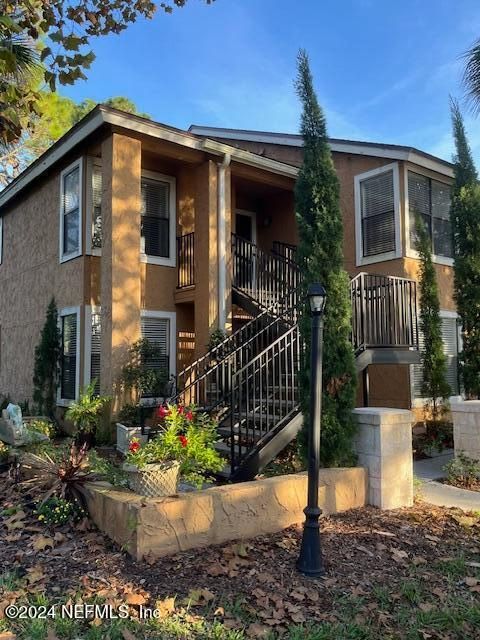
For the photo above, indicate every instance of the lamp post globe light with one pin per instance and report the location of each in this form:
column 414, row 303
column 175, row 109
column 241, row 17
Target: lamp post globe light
column 310, row 560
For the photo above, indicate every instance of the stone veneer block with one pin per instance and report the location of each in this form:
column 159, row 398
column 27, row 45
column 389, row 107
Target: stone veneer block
column 157, row 527
column 383, row 444
column 466, row 427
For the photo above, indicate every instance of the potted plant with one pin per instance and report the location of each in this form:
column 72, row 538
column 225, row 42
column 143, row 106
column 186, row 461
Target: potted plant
column 85, row 414
column 184, row 447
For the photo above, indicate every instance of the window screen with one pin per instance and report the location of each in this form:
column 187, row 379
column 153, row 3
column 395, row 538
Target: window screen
column 155, row 230
column 157, row 332
column 378, row 214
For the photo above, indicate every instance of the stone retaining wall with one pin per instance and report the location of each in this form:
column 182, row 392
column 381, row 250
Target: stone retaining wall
column 163, row 526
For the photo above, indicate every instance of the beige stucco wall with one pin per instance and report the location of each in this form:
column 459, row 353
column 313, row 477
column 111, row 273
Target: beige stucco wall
column 30, row 274
column 157, row 527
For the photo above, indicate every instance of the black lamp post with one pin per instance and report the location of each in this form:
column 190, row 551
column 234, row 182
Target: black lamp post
column 310, row 561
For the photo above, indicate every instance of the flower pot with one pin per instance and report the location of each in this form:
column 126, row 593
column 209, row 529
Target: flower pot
column 155, row 480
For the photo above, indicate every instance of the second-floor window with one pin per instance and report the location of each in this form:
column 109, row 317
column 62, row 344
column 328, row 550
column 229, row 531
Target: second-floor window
column 430, row 200
column 377, row 215
column 71, row 211
column 157, row 218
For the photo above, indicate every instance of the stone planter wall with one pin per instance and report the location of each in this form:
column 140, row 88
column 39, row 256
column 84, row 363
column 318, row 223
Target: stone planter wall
column 384, row 445
column 466, row 428
column 163, row 526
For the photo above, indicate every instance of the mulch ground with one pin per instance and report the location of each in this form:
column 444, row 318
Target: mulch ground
column 370, row 557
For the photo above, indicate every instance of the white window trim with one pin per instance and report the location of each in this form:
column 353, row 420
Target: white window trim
column 419, row 402
column 410, row 251
column 89, row 250
column 74, row 254
column 67, row 311
column 358, row 179
column 1, row 239
column 172, row 261
column 87, row 351
column 171, row 316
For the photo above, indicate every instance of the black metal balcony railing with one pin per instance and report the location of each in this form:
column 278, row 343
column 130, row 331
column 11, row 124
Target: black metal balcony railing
column 384, row 312
column 264, row 278
column 284, row 250
column 186, row 260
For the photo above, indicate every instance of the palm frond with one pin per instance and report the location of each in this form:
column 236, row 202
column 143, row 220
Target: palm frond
column 471, row 76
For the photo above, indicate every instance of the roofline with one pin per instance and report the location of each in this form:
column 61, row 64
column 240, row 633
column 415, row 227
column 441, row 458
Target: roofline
column 379, row 150
column 102, row 115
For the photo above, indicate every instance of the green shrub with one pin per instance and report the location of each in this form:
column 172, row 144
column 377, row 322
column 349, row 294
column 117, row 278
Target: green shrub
column 463, row 471
column 42, row 426
column 4, row 451
column 57, row 511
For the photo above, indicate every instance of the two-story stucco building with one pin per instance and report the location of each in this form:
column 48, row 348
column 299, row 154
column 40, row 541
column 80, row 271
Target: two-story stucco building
column 140, row 229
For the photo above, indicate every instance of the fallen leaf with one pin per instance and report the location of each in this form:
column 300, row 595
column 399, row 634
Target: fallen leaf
column 40, row 543
column 127, row 635
column 165, row 607
column 256, row 630
column 135, row 599
column 471, row 582
column 51, row 635
column 426, row 606
column 7, row 635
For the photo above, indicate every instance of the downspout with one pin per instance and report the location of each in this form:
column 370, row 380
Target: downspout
column 222, row 240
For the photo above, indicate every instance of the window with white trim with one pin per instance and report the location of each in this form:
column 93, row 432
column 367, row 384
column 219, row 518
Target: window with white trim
column 159, row 332
column 158, row 218
column 450, row 348
column 71, row 211
column 377, row 215
column 96, row 205
column 95, row 348
column 430, row 200
column 69, row 357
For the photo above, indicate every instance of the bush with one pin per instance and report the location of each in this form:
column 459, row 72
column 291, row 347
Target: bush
column 463, row 471
column 56, row 511
column 4, row 451
column 42, row 426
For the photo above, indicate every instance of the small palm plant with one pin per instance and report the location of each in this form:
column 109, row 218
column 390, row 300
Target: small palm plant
column 86, row 413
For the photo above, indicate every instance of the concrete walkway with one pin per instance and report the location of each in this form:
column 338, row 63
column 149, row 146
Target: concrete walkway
column 439, row 494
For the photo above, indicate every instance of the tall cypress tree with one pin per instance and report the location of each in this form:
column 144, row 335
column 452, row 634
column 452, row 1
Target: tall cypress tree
column 320, row 252
column 435, row 387
column 46, row 370
column 465, row 216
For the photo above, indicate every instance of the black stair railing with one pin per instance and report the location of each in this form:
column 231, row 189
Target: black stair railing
column 264, row 396
column 284, row 250
column 186, row 260
column 384, row 312
column 207, row 381
column 264, row 278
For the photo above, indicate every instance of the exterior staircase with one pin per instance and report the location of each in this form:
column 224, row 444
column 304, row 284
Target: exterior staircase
column 250, row 380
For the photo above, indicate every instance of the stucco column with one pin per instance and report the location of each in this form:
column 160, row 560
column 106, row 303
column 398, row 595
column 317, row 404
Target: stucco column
column 466, row 428
column 383, row 444
column 206, row 255
column 120, row 263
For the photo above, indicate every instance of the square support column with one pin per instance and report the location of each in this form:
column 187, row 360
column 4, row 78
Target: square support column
column 466, row 428
column 120, row 263
column 384, row 445
column 206, row 256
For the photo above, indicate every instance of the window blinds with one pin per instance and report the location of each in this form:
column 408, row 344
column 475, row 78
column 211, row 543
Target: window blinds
column 155, row 231
column 431, row 200
column 71, row 211
column 96, row 206
column 450, row 348
column 68, row 373
column 378, row 214
column 95, row 351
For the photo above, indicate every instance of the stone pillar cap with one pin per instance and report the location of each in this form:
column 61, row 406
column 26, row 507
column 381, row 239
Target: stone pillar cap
column 466, row 406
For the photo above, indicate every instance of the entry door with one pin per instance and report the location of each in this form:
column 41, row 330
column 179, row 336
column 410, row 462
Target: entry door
column 246, row 228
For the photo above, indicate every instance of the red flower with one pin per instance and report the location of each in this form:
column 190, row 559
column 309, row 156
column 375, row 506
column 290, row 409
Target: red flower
column 189, row 415
column 181, row 409
column 183, row 440
column 134, row 446
column 162, row 412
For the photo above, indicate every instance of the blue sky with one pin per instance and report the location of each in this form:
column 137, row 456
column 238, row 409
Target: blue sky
column 383, row 70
